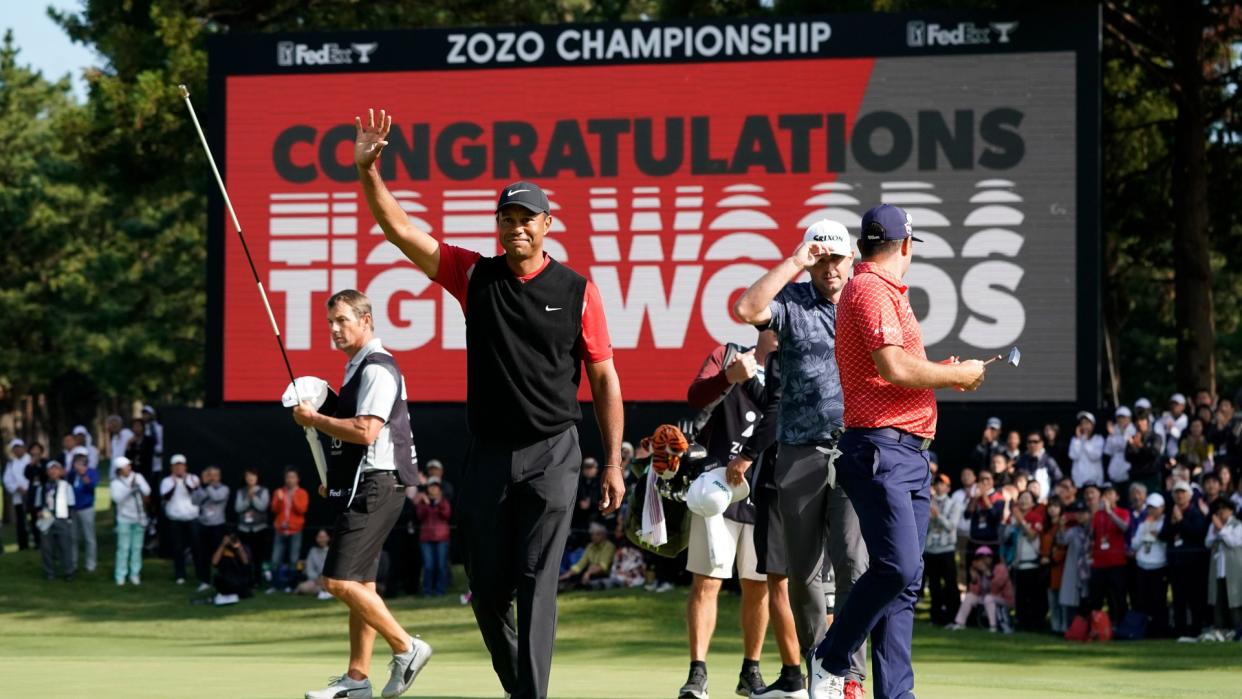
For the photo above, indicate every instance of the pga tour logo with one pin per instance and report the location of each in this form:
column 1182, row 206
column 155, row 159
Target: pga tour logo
column 920, row 34
column 329, row 54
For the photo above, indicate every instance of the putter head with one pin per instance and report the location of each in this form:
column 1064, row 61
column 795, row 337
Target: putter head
column 1014, row 357
column 185, row 91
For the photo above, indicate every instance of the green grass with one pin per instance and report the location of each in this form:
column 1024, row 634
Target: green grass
column 89, row 638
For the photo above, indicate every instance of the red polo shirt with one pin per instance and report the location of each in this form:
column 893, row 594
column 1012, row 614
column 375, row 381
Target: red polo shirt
column 874, row 311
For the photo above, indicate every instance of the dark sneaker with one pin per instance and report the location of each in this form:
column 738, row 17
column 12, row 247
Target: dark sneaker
column 695, row 686
column 749, row 682
column 784, row 688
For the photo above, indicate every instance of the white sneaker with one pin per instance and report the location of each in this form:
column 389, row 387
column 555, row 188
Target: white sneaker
column 954, row 627
column 180, row 581
column 203, row 587
column 120, row 583
column 221, row 600
column 404, row 667
column 824, row 684
column 344, row 687
column 135, row 580
column 324, row 595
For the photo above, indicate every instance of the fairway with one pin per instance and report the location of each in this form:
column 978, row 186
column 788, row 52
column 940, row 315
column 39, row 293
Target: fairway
column 91, row 639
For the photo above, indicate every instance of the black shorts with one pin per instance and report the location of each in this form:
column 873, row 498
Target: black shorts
column 769, row 534
column 360, row 531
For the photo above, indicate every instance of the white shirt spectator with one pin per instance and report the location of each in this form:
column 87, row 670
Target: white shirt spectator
column 179, row 505
column 1150, row 552
column 127, row 494
column 61, row 499
column 1115, row 448
column 1087, row 457
column 1231, row 536
column 942, row 530
column 116, row 448
column 15, row 475
column 959, row 498
column 1171, row 429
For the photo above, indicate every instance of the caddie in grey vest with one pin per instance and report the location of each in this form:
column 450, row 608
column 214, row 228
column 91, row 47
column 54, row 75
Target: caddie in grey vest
column 370, row 456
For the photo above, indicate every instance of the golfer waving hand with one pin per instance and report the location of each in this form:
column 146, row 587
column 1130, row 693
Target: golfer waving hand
column 532, row 324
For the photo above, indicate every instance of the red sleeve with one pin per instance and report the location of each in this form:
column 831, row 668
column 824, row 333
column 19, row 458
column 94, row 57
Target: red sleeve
column 874, row 315
column 277, row 498
column 596, row 343
column 454, row 271
column 301, row 500
column 446, row 510
column 711, row 382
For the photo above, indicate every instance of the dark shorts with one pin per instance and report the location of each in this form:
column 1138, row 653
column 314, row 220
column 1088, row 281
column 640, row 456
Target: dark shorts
column 360, row 531
column 769, row 534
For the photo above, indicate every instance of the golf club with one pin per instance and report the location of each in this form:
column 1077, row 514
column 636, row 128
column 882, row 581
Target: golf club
column 311, row 436
column 1014, row 357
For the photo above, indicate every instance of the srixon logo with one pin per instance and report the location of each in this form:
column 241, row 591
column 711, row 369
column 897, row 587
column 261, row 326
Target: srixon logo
column 289, row 53
column 920, row 34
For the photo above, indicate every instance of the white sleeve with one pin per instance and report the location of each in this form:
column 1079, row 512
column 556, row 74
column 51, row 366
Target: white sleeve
column 143, row 486
column 377, row 392
column 166, row 485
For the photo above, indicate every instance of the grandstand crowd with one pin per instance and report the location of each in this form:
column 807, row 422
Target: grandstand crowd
column 1133, row 513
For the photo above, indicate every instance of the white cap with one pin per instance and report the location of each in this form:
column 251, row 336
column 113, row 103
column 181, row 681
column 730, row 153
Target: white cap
column 177, row 459
column 708, row 497
column 121, row 462
column 1182, row 485
column 1086, row 415
column 832, row 235
column 309, row 388
column 994, row 423
column 1177, row 398
column 80, row 429
column 1142, row 404
column 148, row 409
column 15, row 443
column 1155, row 500
column 78, row 451
column 1123, row 411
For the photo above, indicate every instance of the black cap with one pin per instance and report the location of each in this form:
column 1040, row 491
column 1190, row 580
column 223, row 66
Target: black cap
column 527, row 194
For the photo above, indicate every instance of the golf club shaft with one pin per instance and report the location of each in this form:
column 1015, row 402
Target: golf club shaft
column 185, row 94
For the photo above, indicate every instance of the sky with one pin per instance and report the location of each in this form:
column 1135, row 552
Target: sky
column 44, row 45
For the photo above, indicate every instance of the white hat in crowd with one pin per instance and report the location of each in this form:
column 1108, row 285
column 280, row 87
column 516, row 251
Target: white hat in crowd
column 1155, row 500
column 1177, row 398
column 994, row 423
column 1182, row 485
column 177, row 459
column 1123, row 411
column 121, row 462
column 1086, row 415
column 1142, row 404
column 15, row 443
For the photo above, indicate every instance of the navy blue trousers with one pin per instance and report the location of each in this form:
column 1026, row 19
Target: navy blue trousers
column 889, row 484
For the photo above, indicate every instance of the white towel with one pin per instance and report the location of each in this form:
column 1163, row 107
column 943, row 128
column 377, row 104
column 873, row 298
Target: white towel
column 654, row 532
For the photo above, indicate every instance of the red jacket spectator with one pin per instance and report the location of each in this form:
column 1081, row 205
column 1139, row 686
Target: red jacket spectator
column 290, row 511
column 1108, row 539
column 433, row 519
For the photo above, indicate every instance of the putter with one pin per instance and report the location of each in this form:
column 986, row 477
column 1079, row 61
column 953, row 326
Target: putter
column 1014, row 357
column 312, row 437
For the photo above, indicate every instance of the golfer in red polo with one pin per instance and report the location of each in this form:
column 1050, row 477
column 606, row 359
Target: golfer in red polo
column 890, row 419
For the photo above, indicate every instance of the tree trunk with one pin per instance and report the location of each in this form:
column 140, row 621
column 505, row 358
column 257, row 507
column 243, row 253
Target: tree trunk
column 1192, row 281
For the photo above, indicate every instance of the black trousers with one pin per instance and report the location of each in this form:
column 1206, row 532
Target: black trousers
column 260, row 545
column 941, row 571
column 1031, row 598
column 514, row 508
column 1188, row 576
column 1110, row 584
column 180, row 534
column 1152, row 599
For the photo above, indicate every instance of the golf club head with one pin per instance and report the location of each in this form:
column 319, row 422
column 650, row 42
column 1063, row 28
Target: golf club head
column 1015, row 356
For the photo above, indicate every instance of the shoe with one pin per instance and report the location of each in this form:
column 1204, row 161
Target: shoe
column 404, row 667
column 749, row 682
column 784, row 688
column 664, row 587
column 991, row 629
column 120, row 583
column 695, row 686
column 344, row 687
column 135, row 580
column 323, row 595
column 954, row 627
column 221, row 600
column 854, row 690
column 465, row 599
column 180, row 581
column 824, row 684
column 203, row 587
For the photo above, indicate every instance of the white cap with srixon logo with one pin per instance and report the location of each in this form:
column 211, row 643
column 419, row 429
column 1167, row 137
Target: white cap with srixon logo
column 831, row 235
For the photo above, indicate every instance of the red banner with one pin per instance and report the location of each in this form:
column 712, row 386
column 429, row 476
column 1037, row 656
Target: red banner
column 673, row 187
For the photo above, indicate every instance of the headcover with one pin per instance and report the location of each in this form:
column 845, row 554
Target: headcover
column 667, row 446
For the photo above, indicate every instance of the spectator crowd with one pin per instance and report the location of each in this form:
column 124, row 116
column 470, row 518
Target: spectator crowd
column 1135, row 514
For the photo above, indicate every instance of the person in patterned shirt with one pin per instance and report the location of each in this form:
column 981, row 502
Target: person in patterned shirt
column 890, row 419
column 804, row 315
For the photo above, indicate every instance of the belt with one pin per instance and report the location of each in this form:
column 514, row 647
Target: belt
column 377, row 473
column 901, row 436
